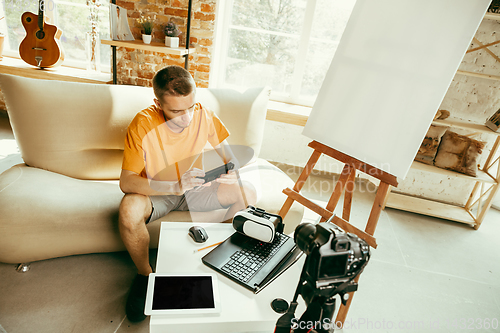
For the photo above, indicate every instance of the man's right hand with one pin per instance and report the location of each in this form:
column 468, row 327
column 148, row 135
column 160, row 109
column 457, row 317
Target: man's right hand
column 189, row 180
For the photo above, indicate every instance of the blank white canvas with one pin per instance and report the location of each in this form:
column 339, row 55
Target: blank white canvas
column 389, row 75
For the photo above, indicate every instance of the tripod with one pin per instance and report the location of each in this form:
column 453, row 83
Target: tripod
column 320, row 305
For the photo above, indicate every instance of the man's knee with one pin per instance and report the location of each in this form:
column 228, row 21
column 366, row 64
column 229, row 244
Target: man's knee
column 250, row 193
column 134, row 208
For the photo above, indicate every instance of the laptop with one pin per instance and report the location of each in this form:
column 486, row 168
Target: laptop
column 252, row 263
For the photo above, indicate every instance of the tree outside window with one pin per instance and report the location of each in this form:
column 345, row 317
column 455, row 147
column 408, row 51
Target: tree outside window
column 285, row 44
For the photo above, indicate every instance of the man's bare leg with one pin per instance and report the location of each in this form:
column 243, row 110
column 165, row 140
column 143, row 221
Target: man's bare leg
column 238, row 198
column 134, row 210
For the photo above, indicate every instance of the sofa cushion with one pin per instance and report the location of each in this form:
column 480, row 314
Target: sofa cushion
column 47, row 215
column 78, row 129
column 459, row 153
column 429, row 147
column 243, row 113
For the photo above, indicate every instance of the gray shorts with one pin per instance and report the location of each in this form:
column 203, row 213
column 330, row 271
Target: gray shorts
column 200, row 199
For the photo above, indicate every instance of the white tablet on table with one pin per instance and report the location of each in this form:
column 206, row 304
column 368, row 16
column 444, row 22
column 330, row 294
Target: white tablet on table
column 182, row 294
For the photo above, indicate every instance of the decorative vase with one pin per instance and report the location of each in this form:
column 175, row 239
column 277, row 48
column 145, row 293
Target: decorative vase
column 146, row 39
column 172, row 41
column 93, row 52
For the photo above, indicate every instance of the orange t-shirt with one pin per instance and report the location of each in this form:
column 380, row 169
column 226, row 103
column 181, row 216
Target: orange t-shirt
column 154, row 151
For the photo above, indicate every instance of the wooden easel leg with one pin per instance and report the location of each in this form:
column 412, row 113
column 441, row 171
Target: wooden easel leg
column 300, row 182
column 371, row 225
column 349, row 190
column 326, row 214
column 339, row 188
column 378, row 206
column 342, row 314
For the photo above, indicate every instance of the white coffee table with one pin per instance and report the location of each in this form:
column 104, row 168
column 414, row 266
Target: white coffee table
column 242, row 310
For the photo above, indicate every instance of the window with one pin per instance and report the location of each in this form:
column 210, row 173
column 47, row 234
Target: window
column 73, row 17
column 285, row 44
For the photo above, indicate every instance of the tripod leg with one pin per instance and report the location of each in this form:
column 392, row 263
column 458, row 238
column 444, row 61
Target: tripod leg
column 318, row 317
column 310, row 319
column 285, row 322
column 342, row 314
column 326, row 319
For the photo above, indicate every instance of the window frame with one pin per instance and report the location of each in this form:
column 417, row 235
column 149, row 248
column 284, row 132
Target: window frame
column 222, row 29
column 68, row 62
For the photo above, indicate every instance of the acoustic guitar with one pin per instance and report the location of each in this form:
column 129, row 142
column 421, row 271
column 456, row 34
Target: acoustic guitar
column 41, row 46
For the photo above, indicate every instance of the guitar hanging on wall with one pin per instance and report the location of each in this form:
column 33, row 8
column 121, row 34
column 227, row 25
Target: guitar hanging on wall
column 41, row 46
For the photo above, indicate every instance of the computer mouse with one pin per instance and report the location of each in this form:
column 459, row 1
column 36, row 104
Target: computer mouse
column 198, row 234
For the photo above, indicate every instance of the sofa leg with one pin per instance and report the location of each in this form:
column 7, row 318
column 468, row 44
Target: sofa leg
column 23, row 268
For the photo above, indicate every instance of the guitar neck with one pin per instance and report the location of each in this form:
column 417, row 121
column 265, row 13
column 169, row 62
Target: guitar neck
column 41, row 5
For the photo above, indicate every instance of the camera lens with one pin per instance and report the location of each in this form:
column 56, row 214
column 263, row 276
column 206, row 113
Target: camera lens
column 304, row 236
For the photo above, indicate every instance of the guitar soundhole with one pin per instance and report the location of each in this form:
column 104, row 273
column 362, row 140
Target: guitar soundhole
column 40, row 34
column 28, row 19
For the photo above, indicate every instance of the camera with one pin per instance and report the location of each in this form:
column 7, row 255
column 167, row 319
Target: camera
column 334, row 259
column 333, row 256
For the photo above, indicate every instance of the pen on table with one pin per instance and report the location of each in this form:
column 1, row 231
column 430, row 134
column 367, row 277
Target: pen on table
column 207, row 247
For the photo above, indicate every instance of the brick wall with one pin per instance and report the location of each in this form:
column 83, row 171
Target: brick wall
column 137, row 67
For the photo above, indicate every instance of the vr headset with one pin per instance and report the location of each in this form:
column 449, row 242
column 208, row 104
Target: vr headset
column 258, row 224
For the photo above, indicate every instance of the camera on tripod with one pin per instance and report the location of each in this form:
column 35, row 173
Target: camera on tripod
column 334, row 259
column 333, row 256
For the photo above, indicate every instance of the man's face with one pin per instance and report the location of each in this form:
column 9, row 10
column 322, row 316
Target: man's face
column 178, row 110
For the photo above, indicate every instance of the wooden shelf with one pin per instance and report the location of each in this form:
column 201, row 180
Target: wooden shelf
column 429, row 207
column 481, row 75
column 285, row 117
column 488, row 16
column 465, row 125
column 486, row 185
column 154, row 47
column 481, row 175
column 456, row 123
column 492, row 16
column 14, row 66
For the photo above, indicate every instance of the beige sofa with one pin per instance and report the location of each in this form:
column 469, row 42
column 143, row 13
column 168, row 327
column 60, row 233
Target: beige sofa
column 64, row 200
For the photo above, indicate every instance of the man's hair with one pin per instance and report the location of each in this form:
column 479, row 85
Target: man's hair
column 172, row 81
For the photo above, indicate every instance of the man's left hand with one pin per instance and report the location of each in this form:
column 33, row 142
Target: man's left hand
column 229, row 178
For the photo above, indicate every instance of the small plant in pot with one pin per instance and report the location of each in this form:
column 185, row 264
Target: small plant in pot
column 172, row 33
column 147, row 25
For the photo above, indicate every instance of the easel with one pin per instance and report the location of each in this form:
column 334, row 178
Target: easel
column 345, row 182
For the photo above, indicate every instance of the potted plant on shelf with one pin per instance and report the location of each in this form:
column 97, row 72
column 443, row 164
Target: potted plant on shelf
column 147, row 25
column 172, row 33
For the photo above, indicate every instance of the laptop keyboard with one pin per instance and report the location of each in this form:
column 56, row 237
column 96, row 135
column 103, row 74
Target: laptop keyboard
column 244, row 264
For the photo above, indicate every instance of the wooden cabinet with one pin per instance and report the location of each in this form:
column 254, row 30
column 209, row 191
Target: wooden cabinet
column 487, row 184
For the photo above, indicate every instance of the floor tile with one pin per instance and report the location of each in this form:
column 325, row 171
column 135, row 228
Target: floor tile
column 129, row 327
column 451, row 248
column 397, row 294
column 84, row 293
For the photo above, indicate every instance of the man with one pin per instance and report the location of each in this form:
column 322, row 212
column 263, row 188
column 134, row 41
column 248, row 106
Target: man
column 162, row 160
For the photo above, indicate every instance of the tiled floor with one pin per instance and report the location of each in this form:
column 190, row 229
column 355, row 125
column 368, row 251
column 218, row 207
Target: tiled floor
column 427, row 275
